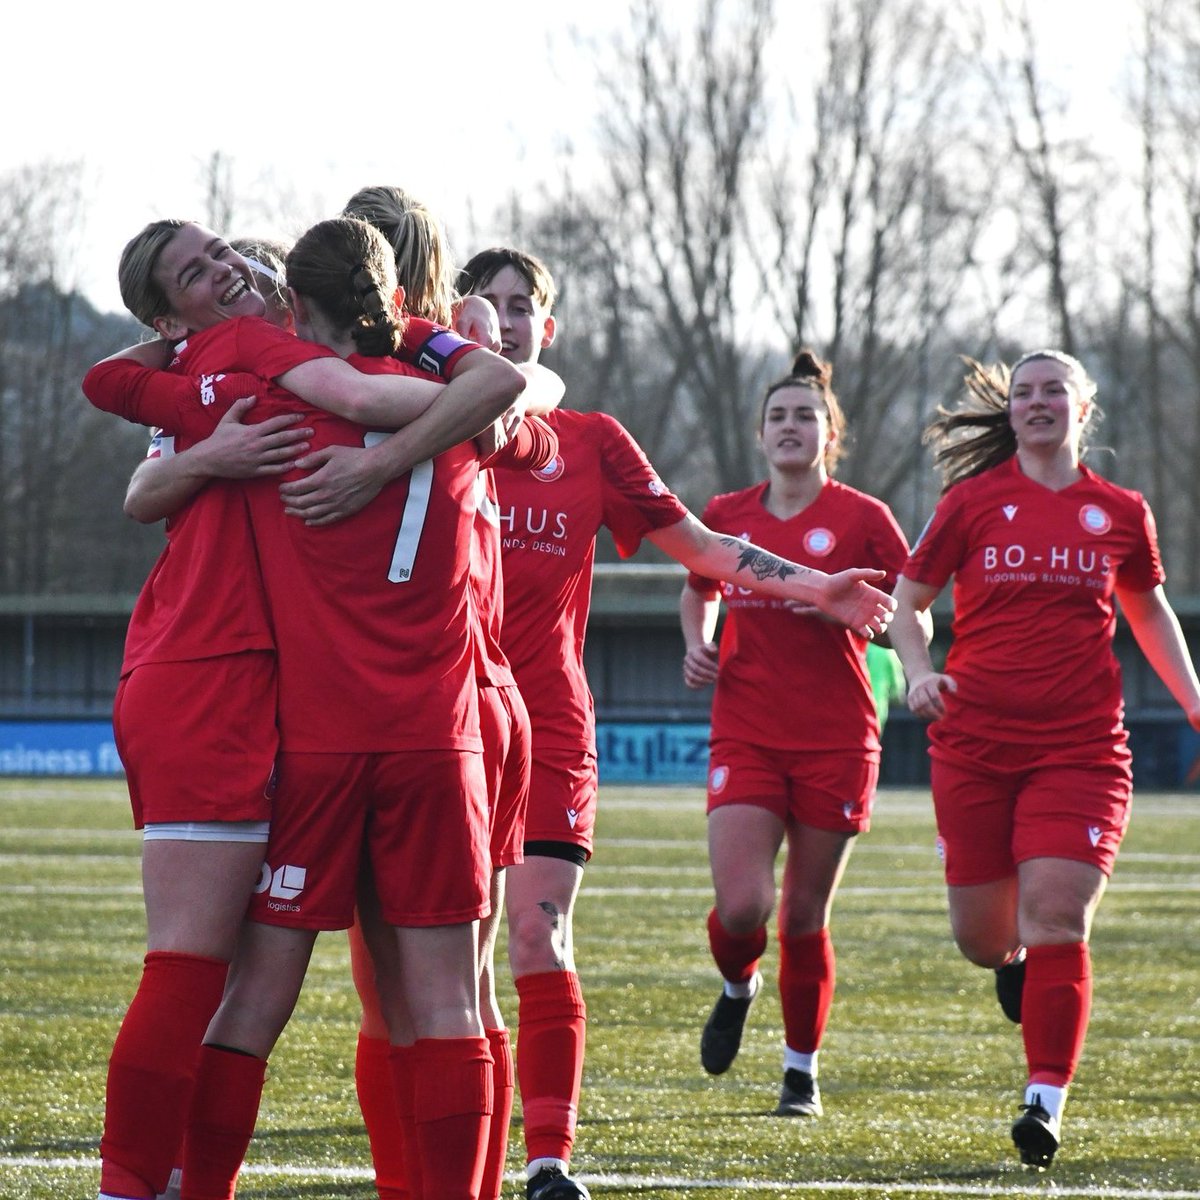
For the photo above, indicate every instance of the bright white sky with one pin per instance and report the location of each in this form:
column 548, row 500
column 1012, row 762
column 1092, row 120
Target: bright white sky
column 476, row 100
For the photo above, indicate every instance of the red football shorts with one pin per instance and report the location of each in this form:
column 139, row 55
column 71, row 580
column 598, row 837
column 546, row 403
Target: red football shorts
column 998, row 805
column 824, row 791
column 420, row 815
column 562, row 798
column 507, row 738
column 198, row 739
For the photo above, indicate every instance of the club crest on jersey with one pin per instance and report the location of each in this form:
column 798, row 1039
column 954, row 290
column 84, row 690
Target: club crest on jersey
column 551, row 471
column 718, row 779
column 1094, row 519
column 1010, row 511
column 819, row 542
column 657, row 487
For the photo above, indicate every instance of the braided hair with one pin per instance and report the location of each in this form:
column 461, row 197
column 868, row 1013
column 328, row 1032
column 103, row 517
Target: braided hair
column 345, row 267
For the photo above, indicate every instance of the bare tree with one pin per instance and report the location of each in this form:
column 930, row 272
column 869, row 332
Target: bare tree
column 51, row 469
column 682, row 124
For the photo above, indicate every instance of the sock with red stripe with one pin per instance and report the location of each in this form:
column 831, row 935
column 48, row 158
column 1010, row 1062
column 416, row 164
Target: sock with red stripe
column 152, row 1069
column 502, row 1105
column 807, row 975
column 224, row 1109
column 1055, row 1010
column 551, row 1032
column 452, row 1099
column 736, row 954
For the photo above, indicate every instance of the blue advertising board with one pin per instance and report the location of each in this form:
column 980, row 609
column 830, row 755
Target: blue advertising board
column 1166, row 753
column 58, row 748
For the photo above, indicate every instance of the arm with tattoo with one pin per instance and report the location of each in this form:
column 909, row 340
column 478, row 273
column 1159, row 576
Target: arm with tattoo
column 848, row 597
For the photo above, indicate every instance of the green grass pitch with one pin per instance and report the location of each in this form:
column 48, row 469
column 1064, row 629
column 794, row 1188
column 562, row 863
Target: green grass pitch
column 921, row 1074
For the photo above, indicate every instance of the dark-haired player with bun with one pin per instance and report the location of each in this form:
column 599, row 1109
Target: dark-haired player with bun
column 549, row 521
column 795, row 736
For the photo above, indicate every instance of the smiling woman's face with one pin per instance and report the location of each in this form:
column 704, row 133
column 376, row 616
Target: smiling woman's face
column 204, row 281
column 1045, row 406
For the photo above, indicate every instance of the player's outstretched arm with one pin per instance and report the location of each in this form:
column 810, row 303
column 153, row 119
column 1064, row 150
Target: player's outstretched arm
column 848, row 597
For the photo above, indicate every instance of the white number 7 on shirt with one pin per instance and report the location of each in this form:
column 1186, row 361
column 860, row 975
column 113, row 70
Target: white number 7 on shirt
column 412, row 520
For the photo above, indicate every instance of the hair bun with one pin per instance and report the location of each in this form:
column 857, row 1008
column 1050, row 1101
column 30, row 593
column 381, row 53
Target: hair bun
column 806, row 365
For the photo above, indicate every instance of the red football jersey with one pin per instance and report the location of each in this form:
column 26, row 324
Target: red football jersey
column 203, row 597
column 798, row 682
column 371, row 614
column 1034, row 572
column 548, row 525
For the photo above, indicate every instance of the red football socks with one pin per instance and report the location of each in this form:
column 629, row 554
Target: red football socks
column 224, row 1109
column 807, row 974
column 152, row 1069
column 377, row 1100
column 1054, row 1010
column 400, row 1063
column 502, row 1105
column 736, row 955
column 551, row 1032
column 452, row 1099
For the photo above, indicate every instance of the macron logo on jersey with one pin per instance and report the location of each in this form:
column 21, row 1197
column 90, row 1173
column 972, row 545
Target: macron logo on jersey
column 657, row 487
column 572, row 816
column 1010, row 511
column 1095, row 833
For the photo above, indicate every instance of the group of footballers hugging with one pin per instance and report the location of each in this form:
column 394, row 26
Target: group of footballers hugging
column 353, row 698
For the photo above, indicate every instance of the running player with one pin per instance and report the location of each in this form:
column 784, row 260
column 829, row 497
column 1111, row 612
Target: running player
column 549, row 521
column 795, row 733
column 1030, row 767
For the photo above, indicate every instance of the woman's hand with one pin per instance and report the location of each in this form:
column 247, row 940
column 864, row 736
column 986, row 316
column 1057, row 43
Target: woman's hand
column 236, row 450
column 341, row 483
column 848, row 597
column 925, row 695
column 700, row 665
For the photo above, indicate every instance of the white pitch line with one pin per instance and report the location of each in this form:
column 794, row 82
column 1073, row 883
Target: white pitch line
column 679, row 1183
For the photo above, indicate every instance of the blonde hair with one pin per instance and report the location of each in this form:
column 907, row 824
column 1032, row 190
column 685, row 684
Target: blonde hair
column 422, row 259
column 345, row 267
column 976, row 434
column 140, row 291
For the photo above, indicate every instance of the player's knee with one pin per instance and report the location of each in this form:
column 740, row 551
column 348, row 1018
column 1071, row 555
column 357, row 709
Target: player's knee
column 743, row 915
column 537, row 940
